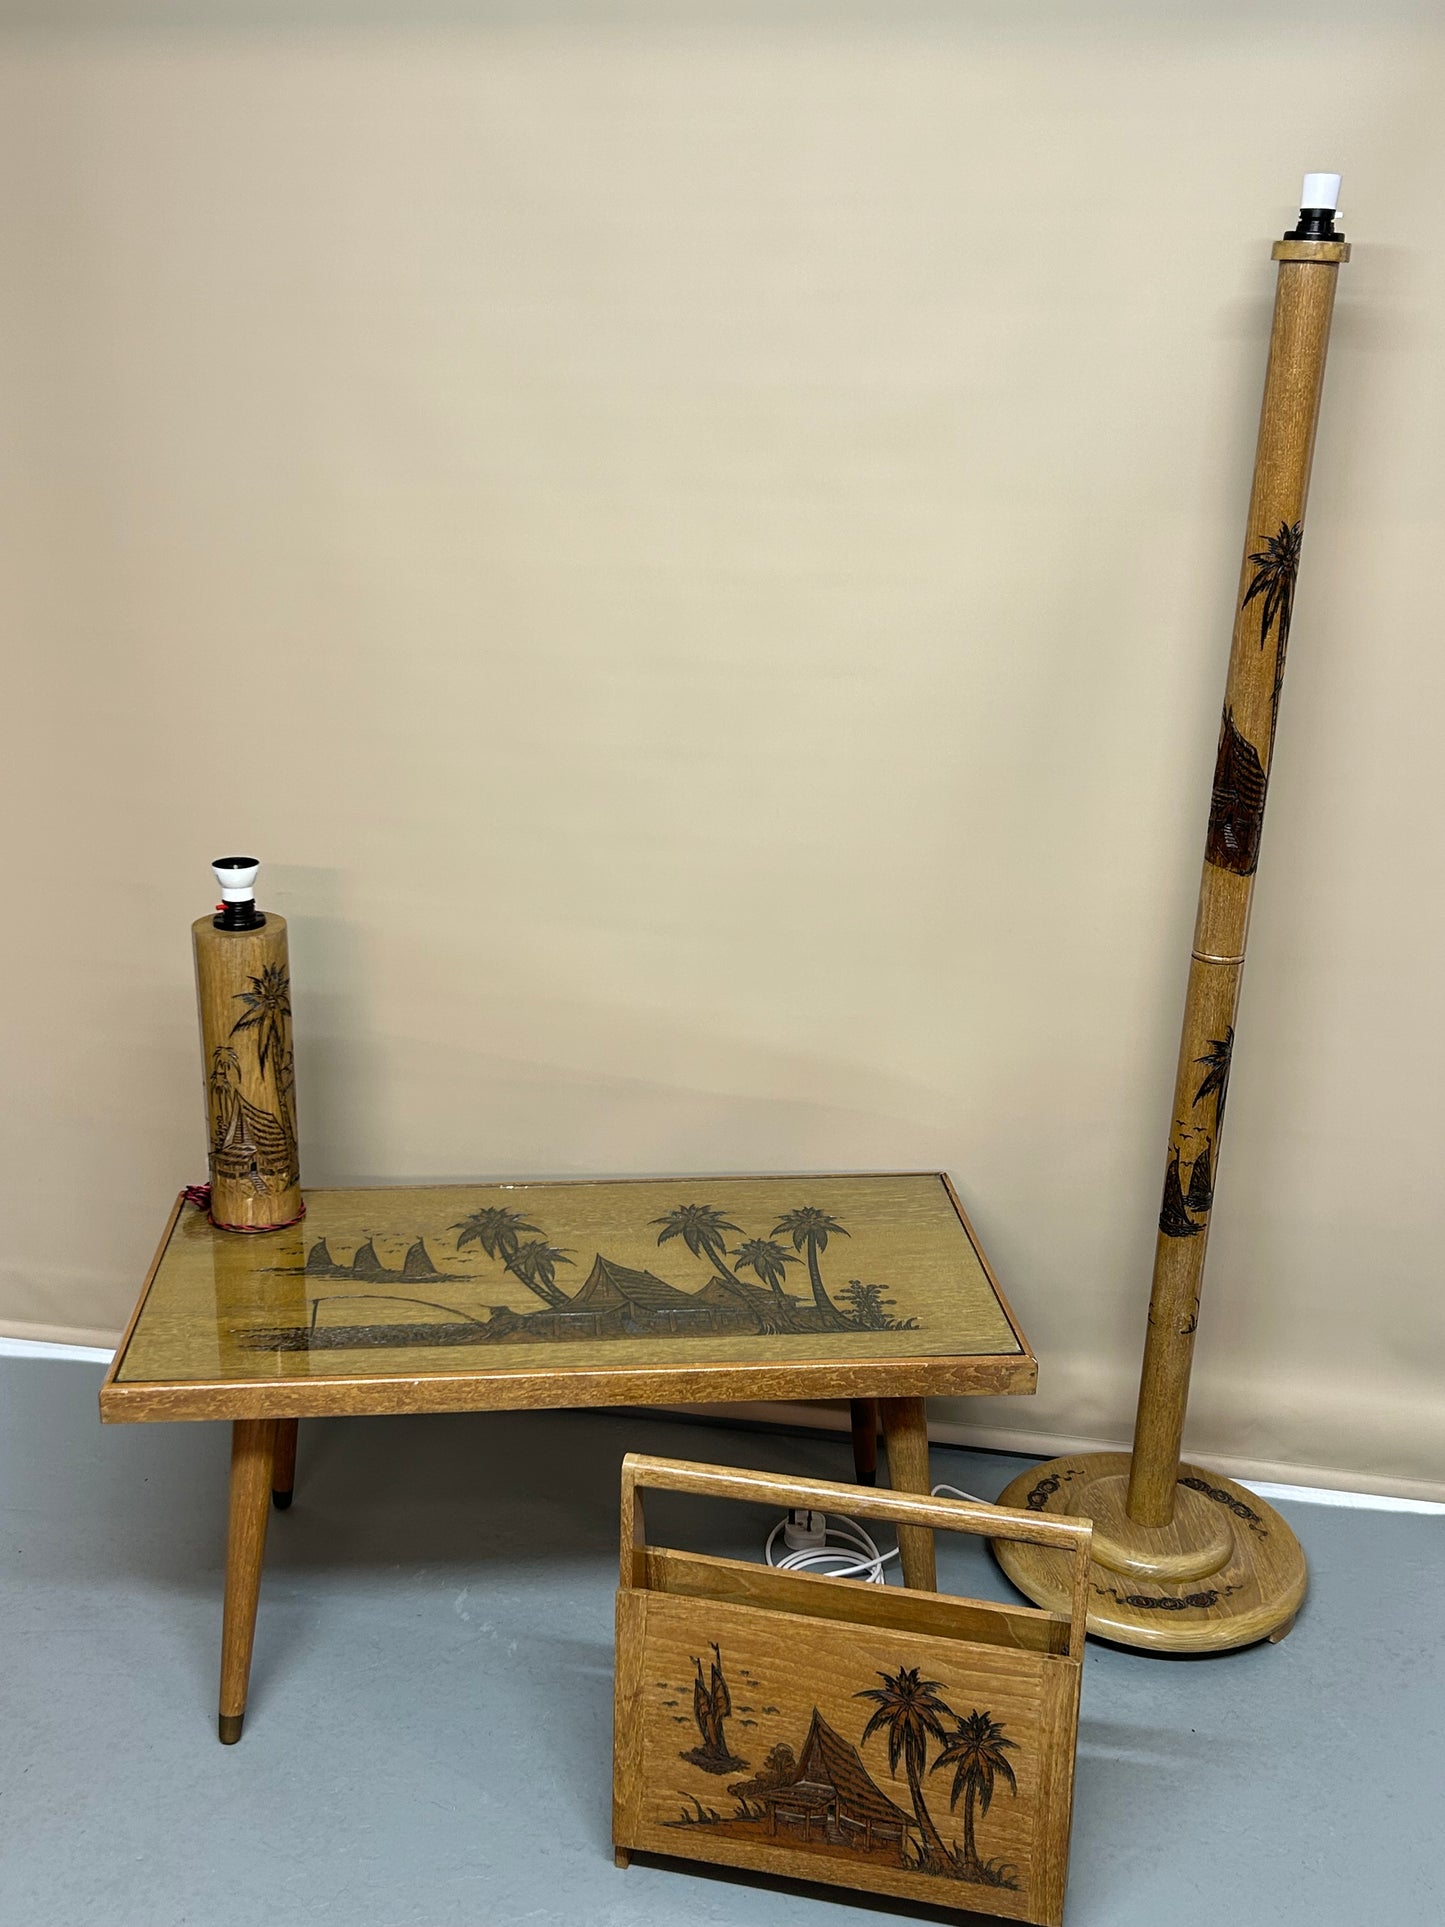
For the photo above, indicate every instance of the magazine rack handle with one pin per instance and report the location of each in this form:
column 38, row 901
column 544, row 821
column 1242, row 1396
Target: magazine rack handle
column 641, row 1472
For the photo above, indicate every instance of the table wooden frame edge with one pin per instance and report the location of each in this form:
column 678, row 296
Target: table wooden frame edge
column 982, row 1374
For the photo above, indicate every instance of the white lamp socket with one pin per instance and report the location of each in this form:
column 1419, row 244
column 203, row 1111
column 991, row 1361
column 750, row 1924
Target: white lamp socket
column 1320, row 190
column 237, row 877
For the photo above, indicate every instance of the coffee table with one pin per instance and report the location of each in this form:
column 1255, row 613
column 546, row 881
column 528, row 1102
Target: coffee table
column 463, row 1298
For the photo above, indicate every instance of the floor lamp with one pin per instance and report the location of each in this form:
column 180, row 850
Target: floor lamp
column 1185, row 1560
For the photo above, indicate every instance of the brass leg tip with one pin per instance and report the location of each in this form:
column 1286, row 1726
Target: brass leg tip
column 282, row 1500
column 229, row 1726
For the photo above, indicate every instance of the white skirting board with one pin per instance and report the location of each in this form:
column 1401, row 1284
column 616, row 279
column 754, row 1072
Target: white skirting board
column 1400, row 1495
column 47, row 1348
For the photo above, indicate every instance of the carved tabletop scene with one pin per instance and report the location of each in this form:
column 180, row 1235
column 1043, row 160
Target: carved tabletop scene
column 599, row 1286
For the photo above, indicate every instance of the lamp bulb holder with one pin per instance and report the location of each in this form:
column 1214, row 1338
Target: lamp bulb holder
column 1319, row 204
column 237, row 877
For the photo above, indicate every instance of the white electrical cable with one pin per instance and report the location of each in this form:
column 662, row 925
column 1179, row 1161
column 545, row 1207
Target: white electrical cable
column 839, row 1560
column 853, row 1553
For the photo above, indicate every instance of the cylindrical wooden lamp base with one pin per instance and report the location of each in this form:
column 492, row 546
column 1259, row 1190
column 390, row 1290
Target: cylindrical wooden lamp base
column 1225, row 1572
column 243, row 988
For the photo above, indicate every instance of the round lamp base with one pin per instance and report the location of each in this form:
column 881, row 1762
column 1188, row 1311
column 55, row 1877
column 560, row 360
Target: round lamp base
column 1225, row 1572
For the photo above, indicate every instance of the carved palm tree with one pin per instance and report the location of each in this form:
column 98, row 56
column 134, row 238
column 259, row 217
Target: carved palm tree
column 701, row 1228
column 910, row 1713
column 1216, row 1060
column 976, row 1754
column 1276, row 568
column 535, row 1265
column 810, row 1230
column 766, row 1260
column 494, row 1229
column 267, row 1012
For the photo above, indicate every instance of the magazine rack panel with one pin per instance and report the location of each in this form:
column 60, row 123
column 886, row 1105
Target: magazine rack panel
column 889, row 1741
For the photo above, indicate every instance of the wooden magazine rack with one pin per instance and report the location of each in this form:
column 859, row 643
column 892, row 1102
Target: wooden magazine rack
column 890, row 1741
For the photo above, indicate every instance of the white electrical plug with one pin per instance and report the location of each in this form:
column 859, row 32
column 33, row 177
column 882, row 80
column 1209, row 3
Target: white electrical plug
column 805, row 1531
column 837, row 1548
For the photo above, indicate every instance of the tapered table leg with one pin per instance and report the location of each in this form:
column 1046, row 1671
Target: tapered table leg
column 905, row 1433
column 865, row 1441
column 283, row 1478
column 253, row 1459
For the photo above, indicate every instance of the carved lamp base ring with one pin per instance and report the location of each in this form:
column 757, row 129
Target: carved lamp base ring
column 1226, row 1572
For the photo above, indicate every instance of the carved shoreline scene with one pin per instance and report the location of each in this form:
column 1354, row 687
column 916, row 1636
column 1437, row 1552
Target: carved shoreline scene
column 817, row 1791
column 593, row 1273
column 613, row 1301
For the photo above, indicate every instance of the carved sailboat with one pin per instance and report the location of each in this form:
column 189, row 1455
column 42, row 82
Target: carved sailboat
column 418, row 1267
column 1174, row 1218
column 711, row 1705
column 722, row 1699
column 1200, row 1196
column 367, row 1265
column 709, row 1725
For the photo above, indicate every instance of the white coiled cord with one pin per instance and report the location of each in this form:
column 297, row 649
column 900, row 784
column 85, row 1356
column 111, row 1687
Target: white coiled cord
column 840, row 1548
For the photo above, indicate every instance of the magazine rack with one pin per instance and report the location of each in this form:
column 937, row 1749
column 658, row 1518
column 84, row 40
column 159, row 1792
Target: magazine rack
column 890, row 1741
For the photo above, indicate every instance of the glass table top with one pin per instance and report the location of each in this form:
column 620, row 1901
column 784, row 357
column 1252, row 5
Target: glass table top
column 608, row 1275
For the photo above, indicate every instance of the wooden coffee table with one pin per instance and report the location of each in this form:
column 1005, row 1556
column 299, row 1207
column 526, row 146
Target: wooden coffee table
column 465, row 1298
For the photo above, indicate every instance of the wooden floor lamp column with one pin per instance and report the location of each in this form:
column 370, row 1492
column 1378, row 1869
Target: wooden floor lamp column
column 1184, row 1560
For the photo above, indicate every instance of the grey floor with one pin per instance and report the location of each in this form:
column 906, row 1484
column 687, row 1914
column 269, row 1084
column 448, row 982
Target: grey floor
column 430, row 1725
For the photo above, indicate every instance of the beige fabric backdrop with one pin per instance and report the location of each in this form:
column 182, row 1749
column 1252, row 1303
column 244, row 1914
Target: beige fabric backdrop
column 698, row 543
